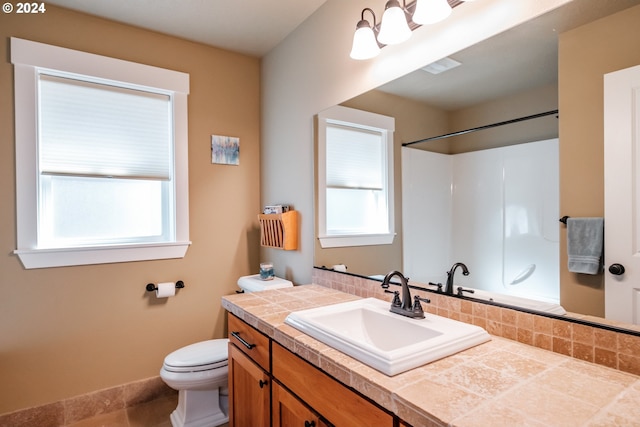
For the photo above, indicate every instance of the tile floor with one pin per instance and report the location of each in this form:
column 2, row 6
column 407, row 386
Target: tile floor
column 151, row 414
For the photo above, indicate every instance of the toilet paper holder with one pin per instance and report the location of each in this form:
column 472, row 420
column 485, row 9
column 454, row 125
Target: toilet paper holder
column 151, row 287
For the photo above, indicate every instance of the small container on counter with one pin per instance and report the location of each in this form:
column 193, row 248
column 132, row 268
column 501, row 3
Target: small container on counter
column 266, row 271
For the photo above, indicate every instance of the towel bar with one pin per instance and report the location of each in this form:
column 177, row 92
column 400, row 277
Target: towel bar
column 564, row 219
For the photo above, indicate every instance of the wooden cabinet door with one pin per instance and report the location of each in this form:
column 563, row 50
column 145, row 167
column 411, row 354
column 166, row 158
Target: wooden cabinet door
column 330, row 398
column 249, row 391
column 288, row 411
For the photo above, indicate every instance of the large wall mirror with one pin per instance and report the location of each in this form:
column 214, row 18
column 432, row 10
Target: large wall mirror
column 553, row 62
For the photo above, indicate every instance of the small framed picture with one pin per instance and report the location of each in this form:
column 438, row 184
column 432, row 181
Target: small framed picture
column 225, row 150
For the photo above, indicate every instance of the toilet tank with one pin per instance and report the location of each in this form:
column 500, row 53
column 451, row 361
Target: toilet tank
column 255, row 284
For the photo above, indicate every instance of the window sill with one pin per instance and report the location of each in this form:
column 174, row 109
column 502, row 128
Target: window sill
column 360, row 240
column 43, row 258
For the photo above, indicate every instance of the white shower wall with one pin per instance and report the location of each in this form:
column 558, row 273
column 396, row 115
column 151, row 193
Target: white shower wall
column 495, row 210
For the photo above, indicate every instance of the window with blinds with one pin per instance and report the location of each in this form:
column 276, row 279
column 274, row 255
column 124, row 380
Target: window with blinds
column 101, row 158
column 105, row 156
column 355, row 178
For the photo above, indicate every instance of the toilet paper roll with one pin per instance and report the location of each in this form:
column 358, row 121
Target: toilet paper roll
column 165, row 290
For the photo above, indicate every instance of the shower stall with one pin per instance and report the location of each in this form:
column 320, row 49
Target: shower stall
column 496, row 210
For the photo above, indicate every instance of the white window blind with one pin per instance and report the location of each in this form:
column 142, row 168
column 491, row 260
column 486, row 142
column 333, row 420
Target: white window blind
column 91, row 129
column 354, row 158
column 355, row 178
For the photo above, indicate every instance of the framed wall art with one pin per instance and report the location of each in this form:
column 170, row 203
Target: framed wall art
column 225, row 150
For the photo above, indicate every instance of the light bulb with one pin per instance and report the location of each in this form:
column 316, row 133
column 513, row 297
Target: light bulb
column 394, row 28
column 364, row 45
column 431, row 11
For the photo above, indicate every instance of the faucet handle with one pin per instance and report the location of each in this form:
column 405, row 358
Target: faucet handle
column 438, row 285
column 417, row 307
column 418, row 298
column 461, row 291
column 396, row 299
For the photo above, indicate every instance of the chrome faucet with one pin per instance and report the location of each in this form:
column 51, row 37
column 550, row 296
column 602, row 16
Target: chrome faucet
column 403, row 306
column 448, row 289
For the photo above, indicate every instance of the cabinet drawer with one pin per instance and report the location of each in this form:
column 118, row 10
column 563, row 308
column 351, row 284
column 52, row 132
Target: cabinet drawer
column 253, row 343
column 334, row 401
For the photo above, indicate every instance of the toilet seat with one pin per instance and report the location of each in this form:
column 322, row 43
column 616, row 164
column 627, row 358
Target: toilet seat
column 198, row 357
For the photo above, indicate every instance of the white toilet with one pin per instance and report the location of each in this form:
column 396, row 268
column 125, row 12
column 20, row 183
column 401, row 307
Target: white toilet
column 200, row 372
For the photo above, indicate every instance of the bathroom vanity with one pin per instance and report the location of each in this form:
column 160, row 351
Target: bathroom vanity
column 279, row 374
column 260, row 368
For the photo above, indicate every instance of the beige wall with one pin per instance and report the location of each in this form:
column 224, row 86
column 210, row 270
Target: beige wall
column 527, row 103
column 586, row 54
column 71, row 330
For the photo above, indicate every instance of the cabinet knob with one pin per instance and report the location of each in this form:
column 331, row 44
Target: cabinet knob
column 263, row 383
column 309, row 424
column 616, row 269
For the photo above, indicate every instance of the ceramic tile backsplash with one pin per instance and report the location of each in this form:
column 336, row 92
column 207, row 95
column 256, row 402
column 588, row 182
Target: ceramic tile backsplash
column 608, row 348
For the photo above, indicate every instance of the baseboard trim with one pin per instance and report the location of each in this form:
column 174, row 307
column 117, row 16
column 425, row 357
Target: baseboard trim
column 78, row 408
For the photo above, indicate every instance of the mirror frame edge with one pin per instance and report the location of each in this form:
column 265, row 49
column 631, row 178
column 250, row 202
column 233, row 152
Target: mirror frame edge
column 575, row 320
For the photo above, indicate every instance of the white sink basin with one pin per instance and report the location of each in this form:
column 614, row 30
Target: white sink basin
column 366, row 330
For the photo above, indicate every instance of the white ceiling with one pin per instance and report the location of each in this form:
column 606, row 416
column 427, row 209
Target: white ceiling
column 252, row 27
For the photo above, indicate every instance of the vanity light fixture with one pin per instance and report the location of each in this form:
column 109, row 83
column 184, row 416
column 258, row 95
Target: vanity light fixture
column 396, row 24
column 365, row 45
column 394, row 28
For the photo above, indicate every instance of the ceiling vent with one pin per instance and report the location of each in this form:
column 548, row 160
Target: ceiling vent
column 442, row 65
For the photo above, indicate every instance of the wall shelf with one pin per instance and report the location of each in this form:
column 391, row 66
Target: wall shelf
column 279, row 230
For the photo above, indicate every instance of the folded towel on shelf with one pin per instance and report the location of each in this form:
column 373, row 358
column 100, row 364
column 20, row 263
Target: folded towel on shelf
column 585, row 240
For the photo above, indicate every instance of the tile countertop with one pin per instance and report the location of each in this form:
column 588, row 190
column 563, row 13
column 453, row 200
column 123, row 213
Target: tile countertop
column 498, row 383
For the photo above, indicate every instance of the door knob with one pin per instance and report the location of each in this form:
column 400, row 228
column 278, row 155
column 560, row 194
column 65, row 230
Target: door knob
column 616, row 269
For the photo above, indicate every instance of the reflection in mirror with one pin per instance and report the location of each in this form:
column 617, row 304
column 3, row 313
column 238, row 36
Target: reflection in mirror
column 496, row 210
column 514, row 74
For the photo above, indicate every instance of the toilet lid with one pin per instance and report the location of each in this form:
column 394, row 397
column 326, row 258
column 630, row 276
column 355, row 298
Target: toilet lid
column 200, row 356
